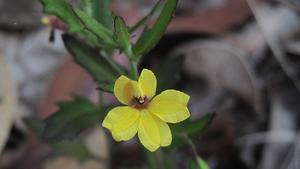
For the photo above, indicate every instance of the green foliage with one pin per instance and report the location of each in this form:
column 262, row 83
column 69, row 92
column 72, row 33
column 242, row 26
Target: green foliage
column 104, row 71
column 86, row 6
column 143, row 21
column 90, row 27
column 96, row 28
column 190, row 128
column 151, row 36
column 199, row 164
column 122, row 35
column 64, row 11
column 36, row 125
column 71, row 118
column 157, row 160
column 101, row 12
column 82, row 20
column 72, row 148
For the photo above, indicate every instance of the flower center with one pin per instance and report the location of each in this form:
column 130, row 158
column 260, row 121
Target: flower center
column 140, row 102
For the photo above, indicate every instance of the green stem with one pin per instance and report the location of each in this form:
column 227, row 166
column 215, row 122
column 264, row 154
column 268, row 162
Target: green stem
column 160, row 159
column 108, row 57
column 133, row 69
column 191, row 144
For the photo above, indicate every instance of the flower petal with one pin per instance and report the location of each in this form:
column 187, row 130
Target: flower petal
column 153, row 132
column 170, row 106
column 147, row 82
column 173, row 95
column 125, row 90
column 148, row 132
column 122, row 122
column 165, row 132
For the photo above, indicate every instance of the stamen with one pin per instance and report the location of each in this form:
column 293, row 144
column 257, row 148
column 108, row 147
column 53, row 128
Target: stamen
column 140, row 102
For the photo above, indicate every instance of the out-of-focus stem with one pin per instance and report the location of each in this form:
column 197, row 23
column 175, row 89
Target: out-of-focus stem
column 133, row 69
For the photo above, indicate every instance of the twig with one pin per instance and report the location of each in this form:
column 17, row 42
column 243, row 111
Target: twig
column 241, row 57
column 275, row 136
column 291, row 152
column 274, row 47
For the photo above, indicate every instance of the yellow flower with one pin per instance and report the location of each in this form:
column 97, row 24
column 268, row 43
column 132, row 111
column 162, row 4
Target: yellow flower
column 144, row 114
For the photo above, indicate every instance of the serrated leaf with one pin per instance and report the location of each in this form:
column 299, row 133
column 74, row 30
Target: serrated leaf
column 36, row 125
column 190, row 128
column 64, row 11
column 76, row 149
column 122, row 35
column 104, row 71
column 95, row 27
column 71, row 118
column 151, row 36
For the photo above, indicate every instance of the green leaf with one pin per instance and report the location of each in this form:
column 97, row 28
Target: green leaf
column 199, row 164
column 157, row 160
column 76, row 149
column 95, row 27
column 151, row 160
column 64, row 11
column 35, row 124
column 147, row 17
column 190, row 128
column 86, row 6
column 104, row 71
column 71, row 118
column 151, row 36
column 122, row 35
column 101, row 12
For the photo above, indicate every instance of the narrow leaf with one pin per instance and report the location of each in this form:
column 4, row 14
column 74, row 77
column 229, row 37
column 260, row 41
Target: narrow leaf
column 64, row 11
column 199, row 164
column 86, row 6
column 143, row 21
column 104, row 71
column 190, row 128
column 122, row 35
column 101, row 12
column 151, row 36
column 95, row 27
column 202, row 164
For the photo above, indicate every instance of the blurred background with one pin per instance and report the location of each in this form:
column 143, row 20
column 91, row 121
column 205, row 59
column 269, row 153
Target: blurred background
column 238, row 58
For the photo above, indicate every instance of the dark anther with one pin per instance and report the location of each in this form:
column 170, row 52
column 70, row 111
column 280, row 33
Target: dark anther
column 140, row 102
